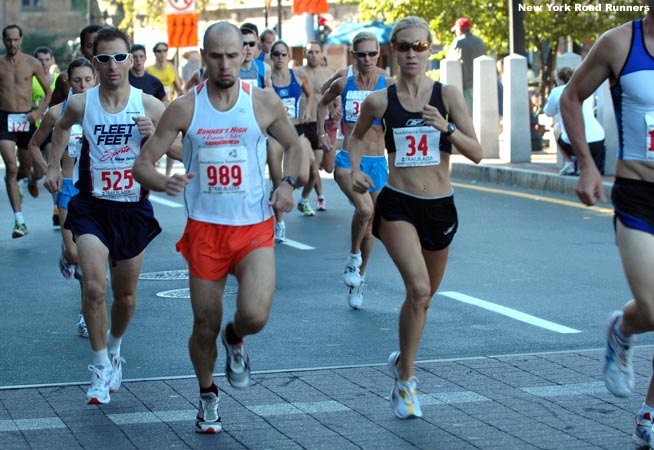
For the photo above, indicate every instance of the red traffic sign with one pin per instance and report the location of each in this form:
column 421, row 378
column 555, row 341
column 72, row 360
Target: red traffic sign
column 183, row 30
column 180, row 6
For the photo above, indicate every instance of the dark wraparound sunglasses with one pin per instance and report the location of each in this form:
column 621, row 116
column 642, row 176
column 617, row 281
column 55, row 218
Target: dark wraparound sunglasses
column 276, row 53
column 417, row 46
column 364, row 54
column 251, row 43
column 104, row 58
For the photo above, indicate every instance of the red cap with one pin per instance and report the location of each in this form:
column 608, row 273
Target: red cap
column 461, row 22
column 322, row 21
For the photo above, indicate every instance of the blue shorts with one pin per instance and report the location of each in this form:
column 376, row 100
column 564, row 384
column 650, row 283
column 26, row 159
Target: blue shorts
column 124, row 228
column 68, row 191
column 376, row 167
column 633, row 201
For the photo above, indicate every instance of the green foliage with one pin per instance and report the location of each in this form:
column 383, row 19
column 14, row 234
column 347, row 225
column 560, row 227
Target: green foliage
column 543, row 29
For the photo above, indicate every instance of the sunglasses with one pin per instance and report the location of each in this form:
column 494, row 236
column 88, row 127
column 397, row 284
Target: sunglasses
column 251, row 43
column 161, row 50
column 417, row 46
column 104, row 58
column 276, row 53
column 364, row 54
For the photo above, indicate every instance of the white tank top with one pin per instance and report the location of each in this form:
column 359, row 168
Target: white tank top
column 112, row 143
column 227, row 153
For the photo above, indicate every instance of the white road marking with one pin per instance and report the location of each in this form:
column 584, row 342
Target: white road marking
column 298, row 245
column 566, row 389
column 512, row 313
column 165, row 202
column 42, row 423
column 283, row 408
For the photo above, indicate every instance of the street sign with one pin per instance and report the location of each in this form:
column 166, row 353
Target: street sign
column 180, row 6
column 183, row 30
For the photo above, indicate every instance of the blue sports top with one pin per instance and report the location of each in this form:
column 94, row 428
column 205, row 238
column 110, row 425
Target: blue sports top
column 633, row 101
column 290, row 96
column 352, row 98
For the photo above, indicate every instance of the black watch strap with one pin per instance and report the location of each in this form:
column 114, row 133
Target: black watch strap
column 290, row 180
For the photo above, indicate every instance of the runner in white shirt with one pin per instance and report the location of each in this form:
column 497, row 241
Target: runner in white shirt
column 224, row 124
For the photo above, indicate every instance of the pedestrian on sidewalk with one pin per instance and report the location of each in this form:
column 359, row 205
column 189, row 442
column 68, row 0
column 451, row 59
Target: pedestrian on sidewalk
column 415, row 216
column 623, row 55
column 225, row 122
column 593, row 129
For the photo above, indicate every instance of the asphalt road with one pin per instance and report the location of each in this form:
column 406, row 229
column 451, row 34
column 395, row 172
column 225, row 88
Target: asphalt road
column 527, row 273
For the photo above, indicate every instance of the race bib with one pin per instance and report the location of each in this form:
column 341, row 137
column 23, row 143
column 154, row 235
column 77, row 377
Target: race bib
column 115, row 182
column 289, row 106
column 18, row 123
column 353, row 101
column 252, row 83
column 222, row 169
column 649, row 143
column 417, row 146
column 75, row 141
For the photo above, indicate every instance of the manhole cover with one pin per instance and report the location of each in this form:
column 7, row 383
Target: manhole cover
column 165, row 275
column 185, row 293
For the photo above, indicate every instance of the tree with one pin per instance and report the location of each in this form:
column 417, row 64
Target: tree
column 545, row 26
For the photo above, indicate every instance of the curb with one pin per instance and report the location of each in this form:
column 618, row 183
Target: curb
column 524, row 178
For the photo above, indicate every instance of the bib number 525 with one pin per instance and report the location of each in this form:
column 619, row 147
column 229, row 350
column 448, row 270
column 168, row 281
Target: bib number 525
column 117, row 180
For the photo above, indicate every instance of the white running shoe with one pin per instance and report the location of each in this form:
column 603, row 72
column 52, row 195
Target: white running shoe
column 355, row 296
column 568, row 168
column 321, row 205
column 618, row 371
column 98, row 393
column 208, row 420
column 280, row 232
column 237, row 366
column 404, row 396
column 82, row 329
column 117, row 372
column 351, row 275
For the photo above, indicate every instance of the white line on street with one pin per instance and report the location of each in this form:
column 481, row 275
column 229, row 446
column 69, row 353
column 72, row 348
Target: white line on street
column 512, row 313
column 298, row 245
column 165, row 202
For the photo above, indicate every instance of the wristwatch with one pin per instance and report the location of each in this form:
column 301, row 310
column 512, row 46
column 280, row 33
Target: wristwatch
column 451, row 128
column 290, row 180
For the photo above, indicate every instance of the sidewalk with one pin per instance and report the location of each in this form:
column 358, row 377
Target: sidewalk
column 539, row 401
column 541, row 173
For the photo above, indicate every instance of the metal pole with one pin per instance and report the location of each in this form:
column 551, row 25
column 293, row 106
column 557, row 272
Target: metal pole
column 4, row 14
column 279, row 19
column 89, row 14
column 516, row 29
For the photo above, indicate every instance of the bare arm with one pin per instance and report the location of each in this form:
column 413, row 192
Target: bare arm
column 335, row 90
column 43, row 81
column 41, row 134
column 60, row 136
column 175, row 119
column 586, row 79
column 308, row 92
column 372, row 108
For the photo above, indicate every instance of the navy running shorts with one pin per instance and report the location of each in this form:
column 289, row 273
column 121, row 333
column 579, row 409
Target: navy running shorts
column 435, row 219
column 633, row 201
column 125, row 228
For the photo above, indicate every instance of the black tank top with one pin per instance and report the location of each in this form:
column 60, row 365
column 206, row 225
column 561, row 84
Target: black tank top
column 396, row 116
